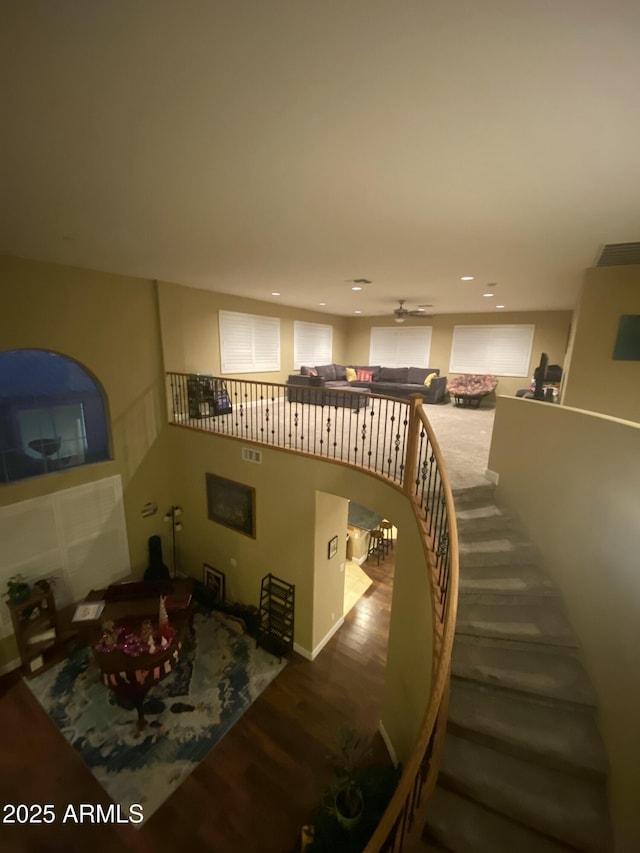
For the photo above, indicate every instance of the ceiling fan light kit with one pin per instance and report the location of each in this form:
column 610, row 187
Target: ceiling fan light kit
column 401, row 313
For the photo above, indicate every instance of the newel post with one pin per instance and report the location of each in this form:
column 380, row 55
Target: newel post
column 411, row 457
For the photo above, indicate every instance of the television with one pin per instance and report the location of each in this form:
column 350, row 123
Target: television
column 627, row 346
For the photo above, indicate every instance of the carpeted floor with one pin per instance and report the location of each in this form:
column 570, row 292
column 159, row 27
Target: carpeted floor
column 464, row 436
column 217, row 678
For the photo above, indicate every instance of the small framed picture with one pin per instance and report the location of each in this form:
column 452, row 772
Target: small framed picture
column 88, row 611
column 214, row 580
column 333, row 547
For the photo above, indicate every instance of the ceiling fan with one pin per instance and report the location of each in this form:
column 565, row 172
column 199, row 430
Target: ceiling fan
column 401, row 313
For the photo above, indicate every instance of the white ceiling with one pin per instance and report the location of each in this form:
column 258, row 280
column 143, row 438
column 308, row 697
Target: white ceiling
column 251, row 146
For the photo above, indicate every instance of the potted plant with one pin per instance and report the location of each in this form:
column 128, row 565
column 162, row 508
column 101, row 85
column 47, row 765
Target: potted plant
column 18, row 589
column 346, row 791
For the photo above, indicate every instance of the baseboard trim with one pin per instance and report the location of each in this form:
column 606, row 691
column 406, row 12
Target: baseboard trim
column 301, row 650
column 6, row 668
column 305, row 653
column 387, row 742
column 492, row 476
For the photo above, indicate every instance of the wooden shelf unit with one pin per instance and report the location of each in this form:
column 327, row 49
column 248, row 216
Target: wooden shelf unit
column 277, row 603
column 37, row 615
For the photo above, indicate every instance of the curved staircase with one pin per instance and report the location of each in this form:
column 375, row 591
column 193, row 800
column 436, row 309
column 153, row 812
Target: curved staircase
column 524, row 768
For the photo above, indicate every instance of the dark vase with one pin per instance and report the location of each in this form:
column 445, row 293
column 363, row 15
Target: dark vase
column 19, row 592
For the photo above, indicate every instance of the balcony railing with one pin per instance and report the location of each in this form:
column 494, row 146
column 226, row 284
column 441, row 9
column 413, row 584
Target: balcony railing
column 388, row 438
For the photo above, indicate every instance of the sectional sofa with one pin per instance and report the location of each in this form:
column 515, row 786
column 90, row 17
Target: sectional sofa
column 388, row 381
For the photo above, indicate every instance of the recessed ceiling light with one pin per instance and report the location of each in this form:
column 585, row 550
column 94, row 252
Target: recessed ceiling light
column 499, row 306
column 487, row 294
column 357, row 312
column 466, row 278
column 322, row 303
column 357, row 287
column 275, row 293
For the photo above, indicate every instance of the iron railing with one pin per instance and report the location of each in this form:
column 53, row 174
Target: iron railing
column 389, row 438
column 345, row 425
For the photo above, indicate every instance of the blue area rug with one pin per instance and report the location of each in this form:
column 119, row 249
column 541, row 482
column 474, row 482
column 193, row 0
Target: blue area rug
column 217, row 678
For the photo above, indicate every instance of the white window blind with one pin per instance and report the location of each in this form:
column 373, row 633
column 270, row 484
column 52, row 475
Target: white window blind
column 312, row 344
column 405, row 347
column 501, row 350
column 249, row 343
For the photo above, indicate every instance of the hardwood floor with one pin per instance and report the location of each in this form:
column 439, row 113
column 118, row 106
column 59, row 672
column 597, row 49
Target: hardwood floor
column 252, row 792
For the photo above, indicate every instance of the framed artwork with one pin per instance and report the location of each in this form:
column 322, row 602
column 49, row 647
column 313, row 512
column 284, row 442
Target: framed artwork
column 214, row 580
column 231, row 504
column 333, row 547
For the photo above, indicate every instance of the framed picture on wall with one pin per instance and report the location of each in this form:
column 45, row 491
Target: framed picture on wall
column 231, row 504
column 333, row 547
column 214, row 580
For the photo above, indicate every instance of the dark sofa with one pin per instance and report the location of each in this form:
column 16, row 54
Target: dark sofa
column 388, row 381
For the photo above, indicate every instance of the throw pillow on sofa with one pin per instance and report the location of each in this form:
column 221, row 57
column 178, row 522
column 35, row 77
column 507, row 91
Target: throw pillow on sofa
column 375, row 369
column 429, row 379
column 308, row 371
column 417, row 375
column 351, row 374
column 364, row 375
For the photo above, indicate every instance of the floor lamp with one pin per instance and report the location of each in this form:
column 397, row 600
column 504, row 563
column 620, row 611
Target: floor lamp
column 172, row 515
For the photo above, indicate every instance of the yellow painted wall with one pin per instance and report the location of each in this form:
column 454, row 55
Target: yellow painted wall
column 332, row 513
column 573, row 478
column 595, row 381
column 109, row 324
column 286, row 543
column 190, row 331
column 550, row 336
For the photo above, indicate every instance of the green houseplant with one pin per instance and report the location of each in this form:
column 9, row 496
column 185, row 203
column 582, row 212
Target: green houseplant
column 346, row 790
column 18, row 589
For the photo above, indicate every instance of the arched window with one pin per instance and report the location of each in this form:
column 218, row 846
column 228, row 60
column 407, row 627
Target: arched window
column 52, row 415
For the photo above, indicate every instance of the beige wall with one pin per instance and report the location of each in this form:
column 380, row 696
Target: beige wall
column 595, row 381
column 551, row 336
column 573, row 478
column 328, row 585
column 190, row 332
column 109, row 324
column 291, row 491
column 189, row 321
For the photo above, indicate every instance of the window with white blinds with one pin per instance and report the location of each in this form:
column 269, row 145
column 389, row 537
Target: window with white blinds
column 249, row 343
column 501, row 350
column 312, row 344
column 391, row 346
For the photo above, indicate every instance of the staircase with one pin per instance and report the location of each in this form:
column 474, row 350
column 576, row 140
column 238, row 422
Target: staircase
column 524, row 768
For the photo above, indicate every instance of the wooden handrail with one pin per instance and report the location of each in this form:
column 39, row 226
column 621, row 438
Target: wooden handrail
column 422, row 477
column 398, row 817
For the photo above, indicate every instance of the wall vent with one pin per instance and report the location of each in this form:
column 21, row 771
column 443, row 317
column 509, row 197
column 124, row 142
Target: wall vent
column 249, row 455
column 619, row 254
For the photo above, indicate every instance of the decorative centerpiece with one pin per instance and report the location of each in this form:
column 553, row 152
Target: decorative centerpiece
column 165, row 630
column 123, row 639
